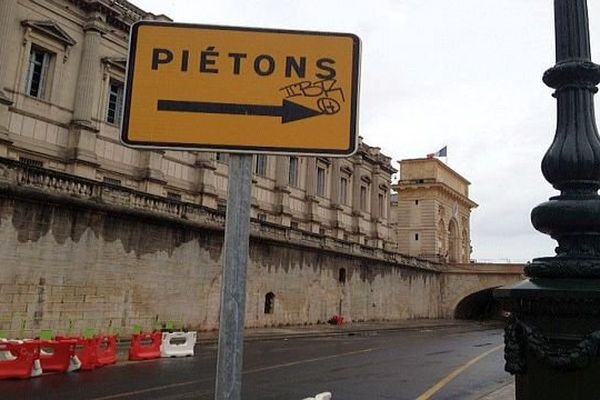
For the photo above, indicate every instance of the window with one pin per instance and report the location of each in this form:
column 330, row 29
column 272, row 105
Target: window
column 262, row 217
column 223, row 158
column 269, row 303
column 416, row 202
column 342, row 275
column 344, row 191
column 416, row 236
column 261, row 165
column 115, row 102
column 293, row 175
column 363, row 198
column 294, row 225
column 37, row 72
column 320, row 181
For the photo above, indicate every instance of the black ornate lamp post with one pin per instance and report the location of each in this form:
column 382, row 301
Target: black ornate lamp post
column 553, row 336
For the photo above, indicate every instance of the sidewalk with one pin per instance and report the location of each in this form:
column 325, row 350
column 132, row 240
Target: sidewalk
column 355, row 328
column 326, row 330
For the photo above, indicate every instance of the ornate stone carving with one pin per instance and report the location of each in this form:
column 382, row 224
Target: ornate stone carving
column 554, row 267
column 521, row 338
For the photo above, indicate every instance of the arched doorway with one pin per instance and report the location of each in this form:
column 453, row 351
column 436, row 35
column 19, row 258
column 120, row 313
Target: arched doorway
column 453, row 242
column 479, row 306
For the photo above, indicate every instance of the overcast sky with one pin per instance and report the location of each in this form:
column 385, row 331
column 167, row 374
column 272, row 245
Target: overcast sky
column 461, row 73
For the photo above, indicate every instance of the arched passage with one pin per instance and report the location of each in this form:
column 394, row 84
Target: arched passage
column 479, row 306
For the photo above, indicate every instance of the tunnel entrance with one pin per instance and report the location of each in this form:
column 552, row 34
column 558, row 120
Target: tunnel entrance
column 479, row 306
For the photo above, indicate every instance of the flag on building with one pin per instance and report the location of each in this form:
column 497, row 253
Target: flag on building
column 443, row 152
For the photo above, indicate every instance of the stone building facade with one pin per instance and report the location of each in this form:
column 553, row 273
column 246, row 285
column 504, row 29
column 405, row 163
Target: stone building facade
column 62, row 79
column 431, row 212
column 101, row 234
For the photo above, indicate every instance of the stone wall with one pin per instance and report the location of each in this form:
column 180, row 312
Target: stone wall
column 77, row 253
column 73, row 256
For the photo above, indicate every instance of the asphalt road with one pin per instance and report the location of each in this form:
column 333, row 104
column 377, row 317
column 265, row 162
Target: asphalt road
column 386, row 365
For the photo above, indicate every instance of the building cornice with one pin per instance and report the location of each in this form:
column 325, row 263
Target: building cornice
column 435, row 185
column 120, row 14
column 439, row 164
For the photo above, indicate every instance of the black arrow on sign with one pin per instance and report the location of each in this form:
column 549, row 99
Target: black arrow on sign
column 288, row 111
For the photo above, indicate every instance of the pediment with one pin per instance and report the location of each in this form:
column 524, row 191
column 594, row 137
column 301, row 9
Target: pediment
column 116, row 62
column 345, row 169
column 50, row 29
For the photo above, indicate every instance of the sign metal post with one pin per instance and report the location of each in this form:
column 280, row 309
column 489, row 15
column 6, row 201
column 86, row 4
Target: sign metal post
column 228, row 384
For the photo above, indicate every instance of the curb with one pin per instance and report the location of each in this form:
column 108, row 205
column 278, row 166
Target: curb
column 504, row 392
column 350, row 331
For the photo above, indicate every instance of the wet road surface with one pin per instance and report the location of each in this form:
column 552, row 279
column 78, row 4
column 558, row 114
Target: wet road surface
column 370, row 366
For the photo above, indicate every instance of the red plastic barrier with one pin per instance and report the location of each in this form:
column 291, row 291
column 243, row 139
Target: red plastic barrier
column 86, row 351
column 107, row 350
column 57, row 354
column 19, row 368
column 145, row 346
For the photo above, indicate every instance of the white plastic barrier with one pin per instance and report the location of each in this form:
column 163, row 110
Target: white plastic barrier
column 6, row 355
column 320, row 396
column 74, row 364
column 36, row 370
column 178, row 344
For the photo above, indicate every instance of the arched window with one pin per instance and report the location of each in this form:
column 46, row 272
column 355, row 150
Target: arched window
column 342, row 275
column 269, row 303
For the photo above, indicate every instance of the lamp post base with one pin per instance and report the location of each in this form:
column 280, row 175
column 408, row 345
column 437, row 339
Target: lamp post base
column 553, row 338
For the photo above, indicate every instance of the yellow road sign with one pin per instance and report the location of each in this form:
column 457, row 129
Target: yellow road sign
column 241, row 89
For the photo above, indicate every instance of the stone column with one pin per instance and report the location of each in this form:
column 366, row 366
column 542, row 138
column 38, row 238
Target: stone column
column 282, row 189
column 8, row 19
column 311, row 176
column 82, row 141
column 335, row 181
column 356, row 183
column 375, row 211
column 151, row 171
column 553, row 334
column 337, row 210
column 357, row 213
column 376, row 218
column 206, row 183
column 282, row 170
column 90, row 71
column 312, row 203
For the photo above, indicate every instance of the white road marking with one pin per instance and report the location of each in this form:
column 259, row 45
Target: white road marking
column 251, row 371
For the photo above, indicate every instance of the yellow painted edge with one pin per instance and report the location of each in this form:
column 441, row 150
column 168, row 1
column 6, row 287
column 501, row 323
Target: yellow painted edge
column 438, row 386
